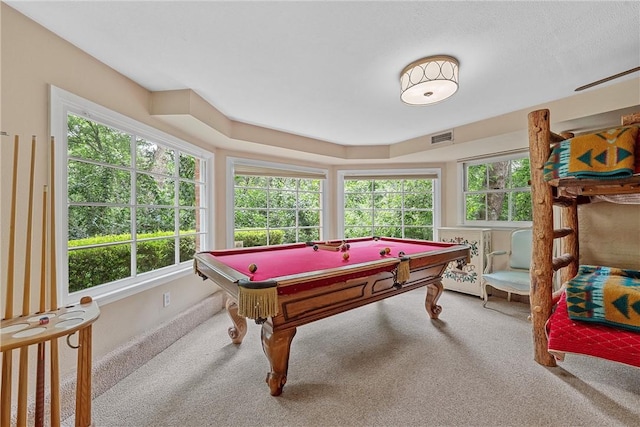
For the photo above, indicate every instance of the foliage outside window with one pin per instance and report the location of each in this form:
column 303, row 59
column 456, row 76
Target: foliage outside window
column 272, row 210
column 402, row 207
column 497, row 191
column 134, row 205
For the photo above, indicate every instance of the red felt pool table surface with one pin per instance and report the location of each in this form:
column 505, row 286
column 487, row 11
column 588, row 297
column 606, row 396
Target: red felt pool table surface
column 287, row 260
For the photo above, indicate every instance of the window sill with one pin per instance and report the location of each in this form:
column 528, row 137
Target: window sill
column 109, row 296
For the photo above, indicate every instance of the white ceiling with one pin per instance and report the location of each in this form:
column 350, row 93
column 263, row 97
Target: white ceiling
column 330, row 69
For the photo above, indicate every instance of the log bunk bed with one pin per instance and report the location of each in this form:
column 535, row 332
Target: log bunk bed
column 576, row 318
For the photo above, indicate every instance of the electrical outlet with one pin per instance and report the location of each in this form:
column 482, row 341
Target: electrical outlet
column 166, row 299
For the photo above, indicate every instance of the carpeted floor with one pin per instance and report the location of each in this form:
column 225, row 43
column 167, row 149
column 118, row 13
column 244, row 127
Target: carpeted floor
column 386, row 364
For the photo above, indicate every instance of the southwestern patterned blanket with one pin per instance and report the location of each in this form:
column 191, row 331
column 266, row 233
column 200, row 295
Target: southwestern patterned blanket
column 605, row 295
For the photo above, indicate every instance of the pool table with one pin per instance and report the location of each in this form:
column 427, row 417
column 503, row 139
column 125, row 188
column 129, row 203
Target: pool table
column 287, row 286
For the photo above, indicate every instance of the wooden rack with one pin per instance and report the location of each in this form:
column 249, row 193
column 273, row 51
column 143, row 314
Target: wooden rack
column 34, row 328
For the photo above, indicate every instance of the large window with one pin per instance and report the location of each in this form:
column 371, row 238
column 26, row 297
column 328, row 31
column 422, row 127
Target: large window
column 496, row 191
column 394, row 205
column 276, row 204
column 135, row 200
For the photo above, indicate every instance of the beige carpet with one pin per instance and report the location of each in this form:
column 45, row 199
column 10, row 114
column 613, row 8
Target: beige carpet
column 386, row 364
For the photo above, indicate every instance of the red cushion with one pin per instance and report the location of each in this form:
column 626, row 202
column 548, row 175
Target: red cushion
column 570, row 336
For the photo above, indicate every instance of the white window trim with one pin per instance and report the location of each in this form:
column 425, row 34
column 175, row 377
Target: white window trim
column 230, row 167
column 462, row 214
column 62, row 103
column 403, row 173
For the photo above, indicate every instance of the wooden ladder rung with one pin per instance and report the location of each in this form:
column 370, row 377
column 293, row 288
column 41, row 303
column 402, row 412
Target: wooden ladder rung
column 555, row 138
column 562, row 232
column 562, row 261
column 563, row 201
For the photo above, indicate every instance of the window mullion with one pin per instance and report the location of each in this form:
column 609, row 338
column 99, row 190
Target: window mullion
column 134, row 208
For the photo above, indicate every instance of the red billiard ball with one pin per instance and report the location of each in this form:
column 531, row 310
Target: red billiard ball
column 253, row 268
column 345, row 256
column 387, row 250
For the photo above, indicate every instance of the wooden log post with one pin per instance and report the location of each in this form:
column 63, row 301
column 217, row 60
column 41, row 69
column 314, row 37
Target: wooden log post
column 542, row 248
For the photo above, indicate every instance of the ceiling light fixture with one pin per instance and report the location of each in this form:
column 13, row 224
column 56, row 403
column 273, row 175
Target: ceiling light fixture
column 429, row 80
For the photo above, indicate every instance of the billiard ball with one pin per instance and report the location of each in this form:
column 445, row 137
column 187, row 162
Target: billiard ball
column 253, row 268
column 387, row 250
column 315, row 247
column 383, row 252
column 401, row 253
column 345, row 256
column 348, row 246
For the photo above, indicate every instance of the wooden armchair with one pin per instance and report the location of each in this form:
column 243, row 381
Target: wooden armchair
column 515, row 279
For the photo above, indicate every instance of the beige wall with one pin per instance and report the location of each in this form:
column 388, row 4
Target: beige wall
column 32, row 58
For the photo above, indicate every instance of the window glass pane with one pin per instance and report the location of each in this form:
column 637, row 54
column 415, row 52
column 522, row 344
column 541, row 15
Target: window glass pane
column 476, row 177
column 387, row 185
column 309, row 201
column 422, row 218
column 187, row 193
column 354, row 231
column 92, row 141
column 95, row 183
column 358, row 217
column 476, row 209
column 153, row 220
column 520, row 173
column 155, row 190
column 282, row 218
column 387, row 217
column 187, row 169
column 154, row 158
column 91, row 221
column 418, row 186
column 154, row 254
column 251, row 181
column 188, row 248
column 387, row 200
column 358, row 186
column 418, row 201
column 308, row 217
column 250, row 198
column 283, row 183
column 309, row 234
column 388, row 231
column 91, row 267
column 290, row 236
column 358, row 200
column 522, row 208
column 424, row 233
column 282, row 199
column 497, row 206
column 188, row 221
column 250, row 218
column 498, row 175
column 309, row 185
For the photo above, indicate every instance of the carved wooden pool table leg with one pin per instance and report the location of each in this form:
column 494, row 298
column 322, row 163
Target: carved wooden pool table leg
column 434, row 290
column 239, row 328
column 276, row 346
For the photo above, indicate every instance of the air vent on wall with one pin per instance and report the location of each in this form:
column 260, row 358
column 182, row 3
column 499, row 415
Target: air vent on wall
column 442, row 137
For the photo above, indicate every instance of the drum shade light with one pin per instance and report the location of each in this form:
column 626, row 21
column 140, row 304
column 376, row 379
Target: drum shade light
column 429, row 80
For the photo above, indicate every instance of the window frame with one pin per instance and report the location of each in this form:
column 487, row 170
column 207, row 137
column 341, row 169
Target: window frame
column 231, row 164
column 416, row 173
column 462, row 172
column 63, row 103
